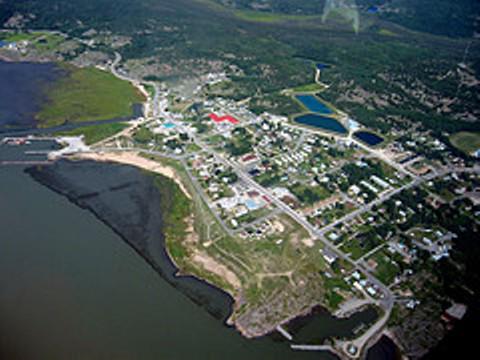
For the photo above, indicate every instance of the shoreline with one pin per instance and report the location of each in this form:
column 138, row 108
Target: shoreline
column 177, row 273
column 134, row 158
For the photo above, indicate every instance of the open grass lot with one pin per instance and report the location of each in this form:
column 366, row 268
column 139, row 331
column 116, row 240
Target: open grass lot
column 21, row 36
column 309, row 88
column 48, row 42
column 87, row 94
column 42, row 41
column 265, row 17
column 361, row 244
column 386, row 268
column 96, row 133
column 467, row 142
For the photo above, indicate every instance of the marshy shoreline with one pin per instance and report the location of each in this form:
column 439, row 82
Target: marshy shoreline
column 213, row 299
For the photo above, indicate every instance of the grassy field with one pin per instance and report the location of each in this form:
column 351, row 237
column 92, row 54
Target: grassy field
column 87, row 94
column 274, row 271
column 307, row 88
column 264, row 17
column 467, row 142
column 43, row 41
column 48, row 42
column 386, row 269
column 96, row 133
column 21, row 36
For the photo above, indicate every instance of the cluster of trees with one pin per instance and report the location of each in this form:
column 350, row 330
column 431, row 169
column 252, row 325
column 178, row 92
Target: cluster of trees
column 240, row 144
column 441, row 17
column 307, row 194
column 278, row 56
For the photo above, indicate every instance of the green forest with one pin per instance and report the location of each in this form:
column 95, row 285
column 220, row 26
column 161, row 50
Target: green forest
column 382, row 59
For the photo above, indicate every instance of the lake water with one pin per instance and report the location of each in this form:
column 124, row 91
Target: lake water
column 368, row 138
column 313, row 104
column 71, row 288
column 316, row 327
column 322, row 123
column 384, row 349
column 21, row 86
column 321, row 66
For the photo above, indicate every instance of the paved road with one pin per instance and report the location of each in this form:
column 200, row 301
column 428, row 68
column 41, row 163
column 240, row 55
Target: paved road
column 125, row 77
column 200, row 192
column 368, row 207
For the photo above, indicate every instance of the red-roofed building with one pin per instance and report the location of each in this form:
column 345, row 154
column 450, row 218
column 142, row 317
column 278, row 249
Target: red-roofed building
column 219, row 119
column 249, row 158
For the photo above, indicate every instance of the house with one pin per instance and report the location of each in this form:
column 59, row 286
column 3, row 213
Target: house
column 380, row 182
column 329, row 256
column 371, row 291
column 333, row 236
column 228, row 203
column 456, row 311
column 354, row 189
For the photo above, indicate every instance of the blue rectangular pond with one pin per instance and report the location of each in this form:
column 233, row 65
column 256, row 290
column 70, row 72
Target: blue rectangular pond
column 322, row 123
column 321, row 66
column 313, row 104
column 368, row 137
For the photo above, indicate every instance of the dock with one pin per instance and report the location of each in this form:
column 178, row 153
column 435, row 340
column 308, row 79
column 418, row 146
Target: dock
column 313, row 348
column 284, row 332
column 25, row 163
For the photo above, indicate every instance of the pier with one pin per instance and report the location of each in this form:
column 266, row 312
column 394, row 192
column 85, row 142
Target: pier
column 25, row 163
column 33, row 156
column 285, row 333
column 313, row 348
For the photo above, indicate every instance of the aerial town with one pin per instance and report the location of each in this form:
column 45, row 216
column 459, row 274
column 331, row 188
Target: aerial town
column 285, row 204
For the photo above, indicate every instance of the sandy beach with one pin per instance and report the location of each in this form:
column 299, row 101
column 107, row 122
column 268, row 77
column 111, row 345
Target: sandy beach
column 135, row 159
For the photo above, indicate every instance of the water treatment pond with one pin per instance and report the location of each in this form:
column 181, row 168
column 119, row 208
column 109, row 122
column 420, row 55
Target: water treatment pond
column 313, row 104
column 368, row 137
column 322, row 123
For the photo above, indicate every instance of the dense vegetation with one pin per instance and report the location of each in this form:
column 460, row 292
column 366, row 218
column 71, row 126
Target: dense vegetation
column 442, row 17
column 383, row 60
column 95, row 133
column 87, row 94
column 176, row 207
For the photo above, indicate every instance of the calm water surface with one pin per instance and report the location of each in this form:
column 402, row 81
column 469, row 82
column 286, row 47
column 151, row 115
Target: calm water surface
column 21, row 91
column 322, row 123
column 313, row 104
column 71, row 288
column 369, row 138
